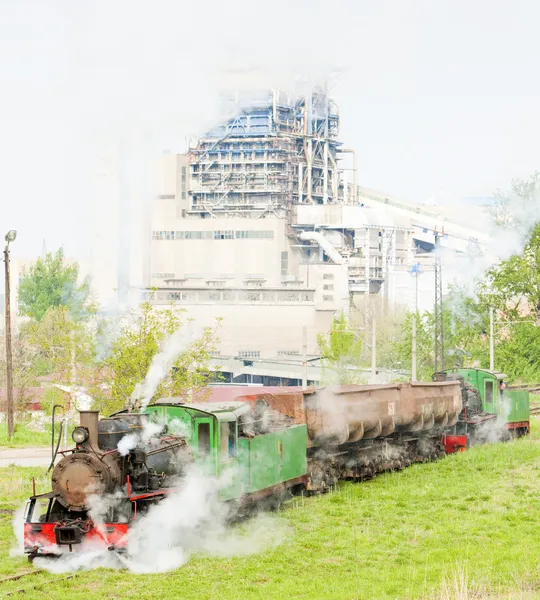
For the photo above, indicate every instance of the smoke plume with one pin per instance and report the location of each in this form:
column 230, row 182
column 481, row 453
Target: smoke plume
column 191, row 520
column 163, row 361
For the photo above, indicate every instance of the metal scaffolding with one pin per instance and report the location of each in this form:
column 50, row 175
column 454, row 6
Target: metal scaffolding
column 271, row 155
column 438, row 308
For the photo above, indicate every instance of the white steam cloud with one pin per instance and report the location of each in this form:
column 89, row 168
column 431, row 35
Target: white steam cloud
column 131, row 440
column 18, row 530
column 163, row 361
column 505, row 230
column 191, row 520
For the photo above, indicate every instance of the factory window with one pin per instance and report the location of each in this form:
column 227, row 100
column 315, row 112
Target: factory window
column 288, row 353
column 284, row 263
column 163, row 235
column 223, row 235
column 328, row 298
column 228, row 439
column 243, row 235
column 249, row 354
column 328, row 276
column 193, row 235
column 291, row 297
column 328, row 286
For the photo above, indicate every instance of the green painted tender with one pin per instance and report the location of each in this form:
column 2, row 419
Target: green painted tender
column 497, row 399
column 256, row 463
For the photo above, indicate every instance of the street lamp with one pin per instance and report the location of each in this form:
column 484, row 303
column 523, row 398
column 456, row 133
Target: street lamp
column 10, row 237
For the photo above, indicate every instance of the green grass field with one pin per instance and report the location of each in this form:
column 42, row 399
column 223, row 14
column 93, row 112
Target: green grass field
column 465, row 527
column 23, row 437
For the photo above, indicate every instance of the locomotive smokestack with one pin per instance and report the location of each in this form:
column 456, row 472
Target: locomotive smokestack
column 89, row 419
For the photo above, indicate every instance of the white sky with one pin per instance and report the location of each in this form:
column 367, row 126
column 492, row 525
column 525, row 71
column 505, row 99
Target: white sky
column 439, row 97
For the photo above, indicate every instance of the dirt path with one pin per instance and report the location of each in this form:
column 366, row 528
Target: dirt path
column 25, row 457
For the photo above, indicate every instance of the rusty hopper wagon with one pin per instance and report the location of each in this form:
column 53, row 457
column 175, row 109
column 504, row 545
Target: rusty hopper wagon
column 356, row 431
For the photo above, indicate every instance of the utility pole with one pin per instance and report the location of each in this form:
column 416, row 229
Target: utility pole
column 304, row 358
column 373, row 347
column 439, row 323
column 413, row 377
column 73, row 380
column 491, row 340
column 10, row 237
column 415, row 270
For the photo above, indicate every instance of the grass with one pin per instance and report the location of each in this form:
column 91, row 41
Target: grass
column 24, row 437
column 462, row 528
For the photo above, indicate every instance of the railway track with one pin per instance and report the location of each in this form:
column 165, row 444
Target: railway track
column 32, row 586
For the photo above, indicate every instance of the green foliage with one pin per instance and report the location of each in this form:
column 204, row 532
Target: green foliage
column 140, row 338
column 465, row 322
column 514, row 284
column 59, row 342
column 51, row 397
column 49, row 282
column 424, row 345
column 340, row 350
column 517, row 354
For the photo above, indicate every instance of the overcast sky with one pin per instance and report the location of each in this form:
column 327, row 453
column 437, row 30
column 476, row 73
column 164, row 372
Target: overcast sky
column 440, row 98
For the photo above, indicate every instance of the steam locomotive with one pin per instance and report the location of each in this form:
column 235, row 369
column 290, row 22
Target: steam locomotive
column 96, row 468
column 271, row 443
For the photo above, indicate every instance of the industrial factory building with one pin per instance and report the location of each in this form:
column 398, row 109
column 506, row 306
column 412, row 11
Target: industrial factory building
column 263, row 225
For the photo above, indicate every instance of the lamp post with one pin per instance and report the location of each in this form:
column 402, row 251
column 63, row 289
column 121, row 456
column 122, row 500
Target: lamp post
column 10, row 237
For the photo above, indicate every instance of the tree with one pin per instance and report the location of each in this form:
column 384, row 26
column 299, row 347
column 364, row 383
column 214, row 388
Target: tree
column 514, row 285
column 424, row 344
column 60, row 343
column 465, row 323
column 518, row 209
column 518, row 353
column 24, row 376
column 49, row 282
column 341, row 350
column 139, row 338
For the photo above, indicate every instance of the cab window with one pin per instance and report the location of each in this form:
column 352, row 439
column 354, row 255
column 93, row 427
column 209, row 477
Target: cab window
column 489, row 392
column 203, row 432
column 228, row 438
column 39, row 512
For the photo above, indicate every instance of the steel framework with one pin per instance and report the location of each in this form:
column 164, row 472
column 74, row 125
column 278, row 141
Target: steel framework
column 270, row 155
column 438, row 309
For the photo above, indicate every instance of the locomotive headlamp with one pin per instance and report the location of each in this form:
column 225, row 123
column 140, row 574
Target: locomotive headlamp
column 80, row 435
